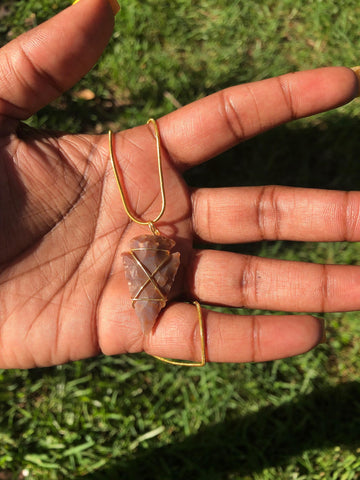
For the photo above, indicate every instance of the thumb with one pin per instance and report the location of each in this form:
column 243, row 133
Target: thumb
column 38, row 66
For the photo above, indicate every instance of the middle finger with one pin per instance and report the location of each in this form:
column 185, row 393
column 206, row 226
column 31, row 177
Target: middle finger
column 250, row 214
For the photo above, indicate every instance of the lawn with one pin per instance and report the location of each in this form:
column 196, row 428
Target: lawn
column 131, row 417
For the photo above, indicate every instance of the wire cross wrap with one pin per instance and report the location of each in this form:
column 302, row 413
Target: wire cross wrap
column 150, row 279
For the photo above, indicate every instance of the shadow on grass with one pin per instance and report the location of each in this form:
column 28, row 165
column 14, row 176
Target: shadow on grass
column 315, row 156
column 247, row 445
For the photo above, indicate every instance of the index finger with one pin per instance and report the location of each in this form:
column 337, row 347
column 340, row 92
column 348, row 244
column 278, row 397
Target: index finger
column 209, row 126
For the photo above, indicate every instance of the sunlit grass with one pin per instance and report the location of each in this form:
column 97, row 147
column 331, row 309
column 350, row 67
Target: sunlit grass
column 132, row 417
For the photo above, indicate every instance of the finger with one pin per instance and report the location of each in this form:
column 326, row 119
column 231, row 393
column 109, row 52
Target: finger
column 39, row 65
column 213, row 124
column 229, row 338
column 244, row 281
column 248, row 214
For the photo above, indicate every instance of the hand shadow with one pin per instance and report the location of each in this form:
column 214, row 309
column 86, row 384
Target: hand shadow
column 246, row 445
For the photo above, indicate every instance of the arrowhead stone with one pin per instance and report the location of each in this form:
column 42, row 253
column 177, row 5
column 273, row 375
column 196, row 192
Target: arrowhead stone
column 150, row 271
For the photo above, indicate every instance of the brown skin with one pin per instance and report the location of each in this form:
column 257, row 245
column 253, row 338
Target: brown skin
column 63, row 295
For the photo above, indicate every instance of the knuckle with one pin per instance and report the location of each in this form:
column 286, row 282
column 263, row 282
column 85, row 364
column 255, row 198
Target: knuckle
column 34, row 74
column 256, row 339
column 201, row 214
column 268, row 215
column 351, row 215
column 248, row 284
column 231, row 116
column 286, row 93
column 194, row 340
column 324, row 289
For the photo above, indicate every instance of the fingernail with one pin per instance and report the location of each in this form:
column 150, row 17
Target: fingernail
column 356, row 70
column 113, row 4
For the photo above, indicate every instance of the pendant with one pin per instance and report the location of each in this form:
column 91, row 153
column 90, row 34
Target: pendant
column 150, row 271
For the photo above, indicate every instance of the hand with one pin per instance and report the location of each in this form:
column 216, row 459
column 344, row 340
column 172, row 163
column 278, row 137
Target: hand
column 63, row 294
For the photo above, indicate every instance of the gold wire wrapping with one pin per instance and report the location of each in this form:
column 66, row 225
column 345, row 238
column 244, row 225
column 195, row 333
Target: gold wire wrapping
column 155, row 231
column 150, row 256
column 202, row 343
column 150, row 276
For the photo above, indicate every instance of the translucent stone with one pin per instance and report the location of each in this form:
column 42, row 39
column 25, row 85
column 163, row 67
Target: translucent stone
column 150, row 271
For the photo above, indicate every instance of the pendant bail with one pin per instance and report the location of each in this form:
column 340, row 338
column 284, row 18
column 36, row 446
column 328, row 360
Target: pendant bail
column 153, row 229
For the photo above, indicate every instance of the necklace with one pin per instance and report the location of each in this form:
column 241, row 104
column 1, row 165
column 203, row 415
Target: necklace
column 150, row 267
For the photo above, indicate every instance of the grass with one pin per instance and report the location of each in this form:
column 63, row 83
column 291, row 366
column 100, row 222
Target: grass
column 131, row 417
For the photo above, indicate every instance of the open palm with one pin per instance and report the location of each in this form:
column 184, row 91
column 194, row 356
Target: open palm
column 63, row 295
